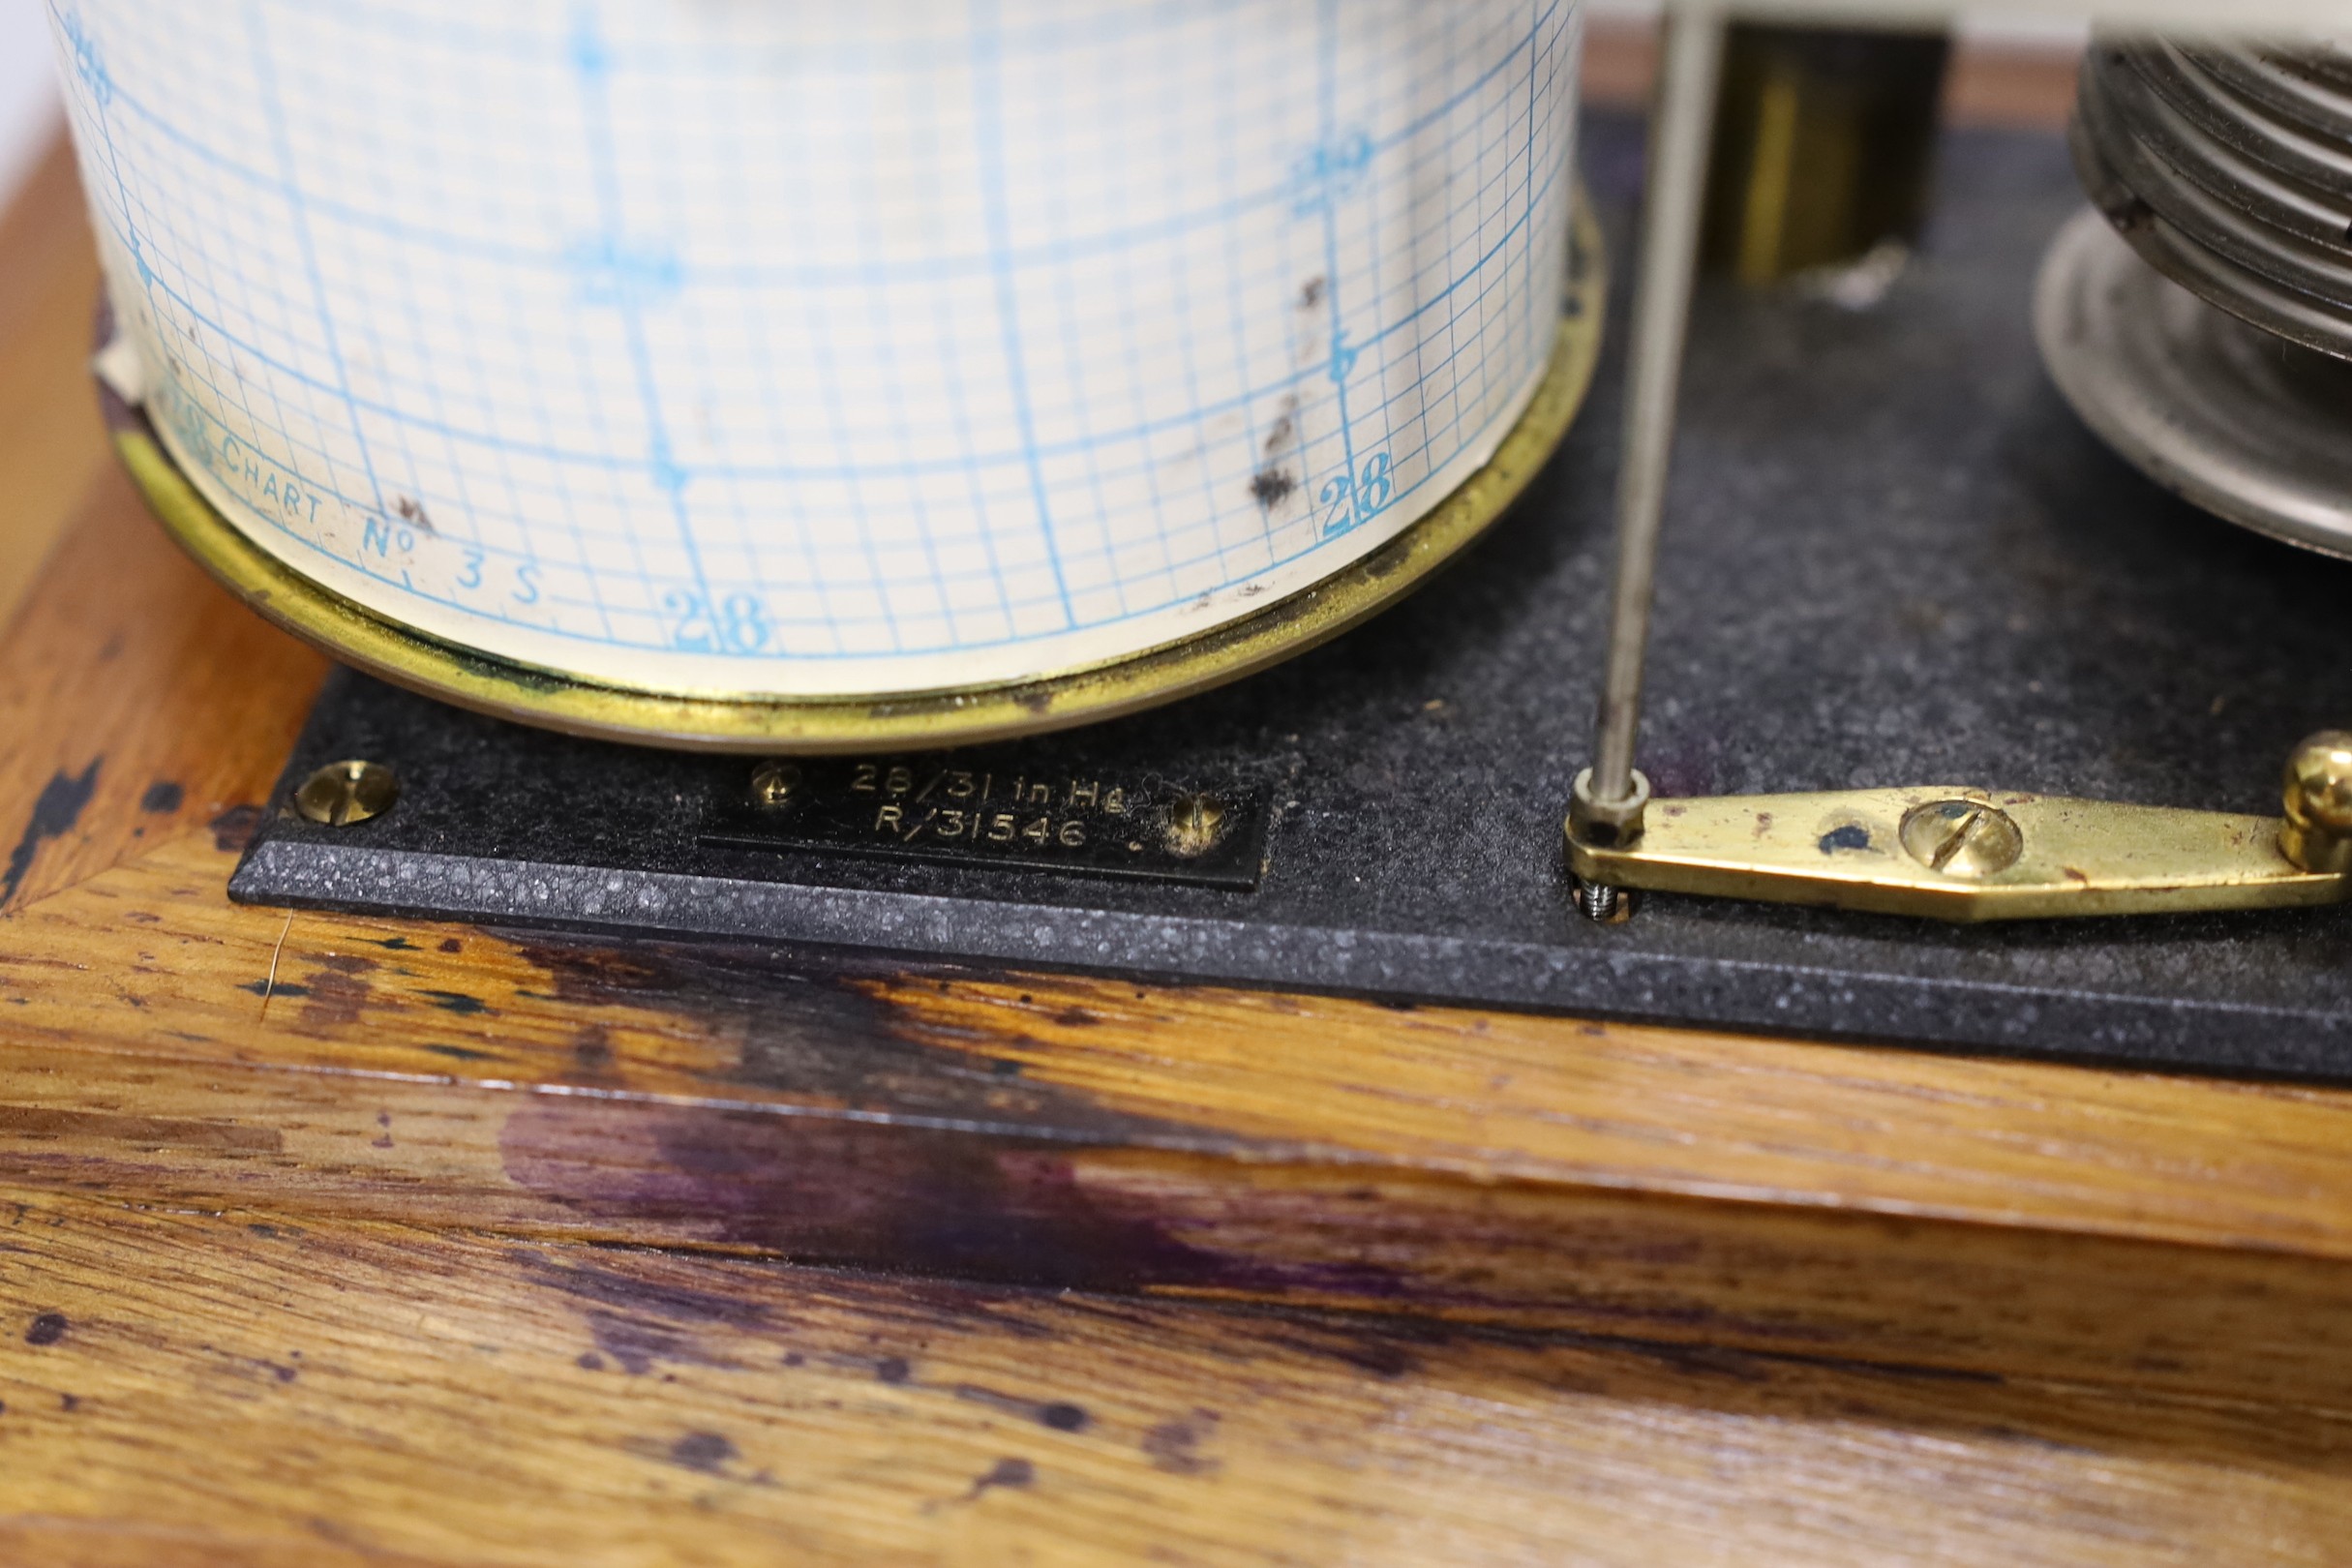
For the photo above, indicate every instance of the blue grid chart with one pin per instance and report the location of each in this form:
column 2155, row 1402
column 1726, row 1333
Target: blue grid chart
column 815, row 349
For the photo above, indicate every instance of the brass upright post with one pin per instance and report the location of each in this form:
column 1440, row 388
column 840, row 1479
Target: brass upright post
column 1825, row 147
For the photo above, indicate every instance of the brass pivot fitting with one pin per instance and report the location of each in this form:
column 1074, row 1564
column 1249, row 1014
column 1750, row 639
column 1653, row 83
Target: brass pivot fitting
column 1607, row 824
column 2317, row 834
column 1604, row 825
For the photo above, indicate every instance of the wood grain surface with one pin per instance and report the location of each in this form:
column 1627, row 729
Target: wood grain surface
column 370, row 1394
column 1329, row 1281
column 51, row 441
column 330, row 1239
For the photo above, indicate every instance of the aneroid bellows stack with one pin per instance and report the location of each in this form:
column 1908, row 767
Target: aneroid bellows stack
column 2211, row 342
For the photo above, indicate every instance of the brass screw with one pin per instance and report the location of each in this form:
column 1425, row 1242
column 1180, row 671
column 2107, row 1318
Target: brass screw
column 1962, row 838
column 774, row 783
column 1194, row 823
column 2317, row 834
column 344, row 793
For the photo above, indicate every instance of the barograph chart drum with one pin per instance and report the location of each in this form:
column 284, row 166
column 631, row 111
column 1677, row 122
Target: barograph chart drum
column 807, row 377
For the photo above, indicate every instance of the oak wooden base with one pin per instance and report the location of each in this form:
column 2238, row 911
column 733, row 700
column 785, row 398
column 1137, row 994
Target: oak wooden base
column 339, row 1238
column 328, row 1240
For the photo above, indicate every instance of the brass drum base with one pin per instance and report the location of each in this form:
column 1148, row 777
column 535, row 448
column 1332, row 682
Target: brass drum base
column 556, row 700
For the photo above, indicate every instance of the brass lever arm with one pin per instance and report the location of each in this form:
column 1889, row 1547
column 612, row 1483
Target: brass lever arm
column 1959, row 854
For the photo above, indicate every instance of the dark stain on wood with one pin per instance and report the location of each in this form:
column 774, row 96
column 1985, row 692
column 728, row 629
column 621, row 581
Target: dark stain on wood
column 55, row 810
column 890, row 1150
column 890, row 1147
column 708, row 1452
column 162, row 796
column 636, row 1344
column 841, row 1188
column 833, row 1033
column 592, row 1048
column 46, row 1329
column 1174, row 1446
column 1005, row 1472
column 42, row 1122
column 1056, row 1415
column 233, row 829
column 337, row 995
column 456, row 1002
column 1379, row 1353
column 637, row 1322
column 628, row 1292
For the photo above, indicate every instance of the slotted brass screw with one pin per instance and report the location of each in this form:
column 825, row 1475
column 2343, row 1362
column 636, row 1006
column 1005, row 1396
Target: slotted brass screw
column 1194, row 823
column 345, row 793
column 1962, row 838
column 774, row 783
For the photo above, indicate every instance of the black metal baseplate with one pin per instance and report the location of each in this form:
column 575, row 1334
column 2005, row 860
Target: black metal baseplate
column 1893, row 556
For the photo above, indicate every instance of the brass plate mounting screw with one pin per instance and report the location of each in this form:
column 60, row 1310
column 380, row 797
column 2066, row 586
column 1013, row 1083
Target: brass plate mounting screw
column 1962, row 838
column 774, row 783
column 2317, row 834
column 1194, row 823
column 344, row 793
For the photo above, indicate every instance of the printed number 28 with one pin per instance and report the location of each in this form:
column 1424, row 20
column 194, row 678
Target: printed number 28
column 1354, row 499
column 739, row 627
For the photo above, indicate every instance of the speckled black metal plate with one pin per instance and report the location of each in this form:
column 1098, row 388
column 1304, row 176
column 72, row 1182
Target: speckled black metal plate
column 1893, row 556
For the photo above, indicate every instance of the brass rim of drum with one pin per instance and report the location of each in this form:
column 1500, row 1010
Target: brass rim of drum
column 552, row 700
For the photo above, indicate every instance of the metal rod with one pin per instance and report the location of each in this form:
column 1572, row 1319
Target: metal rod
column 1682, row 126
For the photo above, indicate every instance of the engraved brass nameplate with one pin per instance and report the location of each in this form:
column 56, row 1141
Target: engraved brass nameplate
column 1038, row 818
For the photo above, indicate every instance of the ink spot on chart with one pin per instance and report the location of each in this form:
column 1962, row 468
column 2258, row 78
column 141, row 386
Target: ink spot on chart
column 1271, row 486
